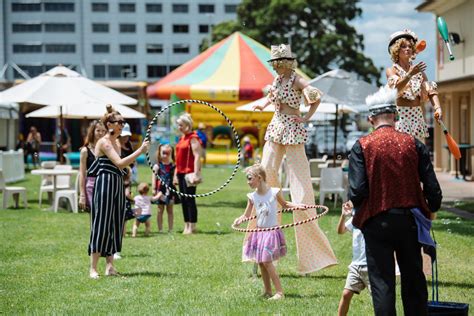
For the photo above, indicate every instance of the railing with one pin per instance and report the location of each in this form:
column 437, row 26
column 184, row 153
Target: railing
column 12, row 165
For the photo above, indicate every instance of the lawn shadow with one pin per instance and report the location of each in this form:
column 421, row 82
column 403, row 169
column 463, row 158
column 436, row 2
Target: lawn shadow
column 232, row 204
column 212, row 233
column 149, row 273
column 137, row 255
column 301, row 296
column 312, row 276
column 452, row 284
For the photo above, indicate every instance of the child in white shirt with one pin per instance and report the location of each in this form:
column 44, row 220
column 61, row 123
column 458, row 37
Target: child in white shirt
column 143, row 202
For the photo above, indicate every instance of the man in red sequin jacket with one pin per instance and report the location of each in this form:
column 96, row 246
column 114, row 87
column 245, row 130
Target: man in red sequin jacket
column 386, row 169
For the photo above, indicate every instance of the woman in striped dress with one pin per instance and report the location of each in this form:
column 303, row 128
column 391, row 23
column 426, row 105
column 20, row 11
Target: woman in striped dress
column 108, row 199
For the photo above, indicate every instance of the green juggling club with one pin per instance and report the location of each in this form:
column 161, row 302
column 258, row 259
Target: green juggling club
column 443, row 30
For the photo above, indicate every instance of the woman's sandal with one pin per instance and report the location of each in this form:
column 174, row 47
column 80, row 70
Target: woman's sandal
column 276, row 297
column 111, row 272
column 94, row 275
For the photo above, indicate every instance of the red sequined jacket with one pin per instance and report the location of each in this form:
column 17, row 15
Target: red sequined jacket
column 386, row 169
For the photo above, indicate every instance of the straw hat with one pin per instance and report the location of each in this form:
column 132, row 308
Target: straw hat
column 281, row 51
column 408, row 34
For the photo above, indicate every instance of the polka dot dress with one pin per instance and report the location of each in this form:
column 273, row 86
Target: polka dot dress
column 411, row 121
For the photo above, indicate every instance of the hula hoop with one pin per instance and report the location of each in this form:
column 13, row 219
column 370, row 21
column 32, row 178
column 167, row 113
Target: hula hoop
column 237, row 164
column 266, row 229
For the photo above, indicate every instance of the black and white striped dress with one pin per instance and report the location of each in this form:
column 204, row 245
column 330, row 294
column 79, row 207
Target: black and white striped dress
column 108, row 208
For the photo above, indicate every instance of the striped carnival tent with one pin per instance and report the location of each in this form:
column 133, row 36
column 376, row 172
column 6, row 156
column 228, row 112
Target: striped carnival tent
column 234, row 69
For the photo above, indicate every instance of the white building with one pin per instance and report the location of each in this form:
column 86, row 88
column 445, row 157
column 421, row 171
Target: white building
column 106, row 39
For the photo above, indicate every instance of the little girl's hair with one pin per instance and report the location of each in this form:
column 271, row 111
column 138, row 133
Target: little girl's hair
column 158, row 152
column 256, row 170
column 143, row 188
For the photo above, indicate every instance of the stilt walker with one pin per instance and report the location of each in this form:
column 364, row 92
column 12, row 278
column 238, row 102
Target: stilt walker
column 286, row 135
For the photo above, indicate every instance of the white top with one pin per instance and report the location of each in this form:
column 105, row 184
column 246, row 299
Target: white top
column 143, row 202
column 266, row 207
column 358, row 245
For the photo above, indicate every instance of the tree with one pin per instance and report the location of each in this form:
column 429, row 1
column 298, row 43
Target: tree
column 318, row 31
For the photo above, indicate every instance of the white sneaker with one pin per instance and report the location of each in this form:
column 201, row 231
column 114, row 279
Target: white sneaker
column 117, row 256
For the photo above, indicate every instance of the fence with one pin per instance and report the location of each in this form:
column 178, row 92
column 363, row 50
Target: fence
column 12, row 164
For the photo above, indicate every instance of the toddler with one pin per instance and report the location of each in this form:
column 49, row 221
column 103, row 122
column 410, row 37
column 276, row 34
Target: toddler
column 143, row 202
column 266, row 246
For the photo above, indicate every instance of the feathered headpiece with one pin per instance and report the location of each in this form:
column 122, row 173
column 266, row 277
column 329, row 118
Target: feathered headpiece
column 382, row 101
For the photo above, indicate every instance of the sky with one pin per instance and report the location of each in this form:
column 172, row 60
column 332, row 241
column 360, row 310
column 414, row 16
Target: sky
column 381, row 18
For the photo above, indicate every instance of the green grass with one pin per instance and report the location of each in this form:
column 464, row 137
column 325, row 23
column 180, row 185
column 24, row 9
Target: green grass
column 44, row 264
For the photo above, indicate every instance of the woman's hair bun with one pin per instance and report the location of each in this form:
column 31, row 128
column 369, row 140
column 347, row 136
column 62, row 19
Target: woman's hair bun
column 109, row 107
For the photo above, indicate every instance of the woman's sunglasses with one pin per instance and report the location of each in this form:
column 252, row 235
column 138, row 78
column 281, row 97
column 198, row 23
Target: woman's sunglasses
column 120, row 122
column 165, row 152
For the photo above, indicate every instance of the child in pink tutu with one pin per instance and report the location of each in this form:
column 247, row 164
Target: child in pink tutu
column 266, row 246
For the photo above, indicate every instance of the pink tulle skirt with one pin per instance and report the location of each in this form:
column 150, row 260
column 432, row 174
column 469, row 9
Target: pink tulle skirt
column 265, row 246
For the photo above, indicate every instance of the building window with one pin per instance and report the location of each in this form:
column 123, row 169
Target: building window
column 156, row 71
column 127, row 7
column 181, row 48
column 122, row 71
column 26, row 27
column 60, row 27
column 23, row 7
column 154, row 28
column 100, row 7
column 100, row 28
column 180, row 8
column 154, row 48
column 27, row 48
column 230, row 8
column 59, row 6
column 127, row 28
column 152, row 7
column 206, row 8
column 99, row 71
column 128, row 48
column 180, row 28
column 31, row 70
column 101, row 48
column 203, row 28
column 60, row 48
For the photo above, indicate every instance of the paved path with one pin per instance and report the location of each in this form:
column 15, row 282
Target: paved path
column 456, row 190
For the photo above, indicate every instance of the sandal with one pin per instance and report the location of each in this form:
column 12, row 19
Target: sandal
column 276, row 297
column 94, row 275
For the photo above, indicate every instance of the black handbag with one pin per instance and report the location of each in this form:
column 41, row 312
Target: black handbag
column 435, row 307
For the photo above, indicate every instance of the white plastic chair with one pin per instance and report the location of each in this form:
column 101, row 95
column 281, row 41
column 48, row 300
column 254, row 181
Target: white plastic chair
column 11, row 191
column 331, row 183
column 70, row 195
column 315, row 166
column 62, row 182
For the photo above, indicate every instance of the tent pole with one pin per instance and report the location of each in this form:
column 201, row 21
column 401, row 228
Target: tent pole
column 335, row 136
column 61, row 159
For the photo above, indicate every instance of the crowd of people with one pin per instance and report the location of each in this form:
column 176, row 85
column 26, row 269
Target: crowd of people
column 392, row 185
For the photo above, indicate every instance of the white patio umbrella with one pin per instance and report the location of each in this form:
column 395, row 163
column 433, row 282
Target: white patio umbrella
column 60, row 86
column 341, row 87
column 85, row 111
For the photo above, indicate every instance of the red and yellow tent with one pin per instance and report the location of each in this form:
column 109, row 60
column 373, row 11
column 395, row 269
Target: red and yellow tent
column 234, row 69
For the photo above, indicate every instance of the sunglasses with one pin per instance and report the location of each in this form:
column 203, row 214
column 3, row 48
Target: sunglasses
column 166, row 152
column 120, row 122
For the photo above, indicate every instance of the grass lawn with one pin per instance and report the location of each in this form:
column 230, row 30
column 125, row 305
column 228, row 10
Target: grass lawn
column 44, row 264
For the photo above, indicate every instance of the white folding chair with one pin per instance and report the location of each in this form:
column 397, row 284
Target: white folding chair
column 331, row 183
column 12, row 191
column 62, row 182
column 70, row 195
column 315, row 166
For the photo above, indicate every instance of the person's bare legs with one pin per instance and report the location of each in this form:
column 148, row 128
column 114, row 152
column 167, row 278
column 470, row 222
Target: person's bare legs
column 135, row 228
column 147, row 227
column 159, row 217
column 169, row 211
column 193, row 228
column 109, row 266
column 187, row 228
column 266, row 280
column 275, row 279
column 345, row 302
column 93, row 269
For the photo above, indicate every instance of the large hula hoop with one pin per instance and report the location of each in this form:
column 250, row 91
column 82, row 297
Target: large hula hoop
column 267, row 229
column 237, row 164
